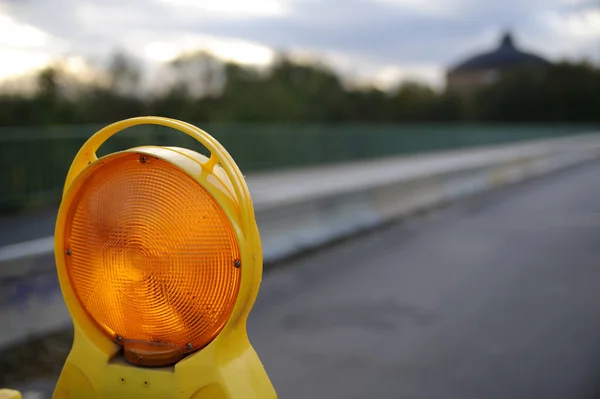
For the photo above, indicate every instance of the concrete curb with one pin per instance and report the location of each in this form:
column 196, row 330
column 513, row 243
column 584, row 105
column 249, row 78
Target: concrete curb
column 290, row 227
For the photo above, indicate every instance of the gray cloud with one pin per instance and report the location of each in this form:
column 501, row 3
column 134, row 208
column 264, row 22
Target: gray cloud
column 382, row 31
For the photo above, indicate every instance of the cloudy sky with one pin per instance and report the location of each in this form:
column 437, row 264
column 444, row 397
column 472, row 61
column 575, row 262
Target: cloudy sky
column 383, row 40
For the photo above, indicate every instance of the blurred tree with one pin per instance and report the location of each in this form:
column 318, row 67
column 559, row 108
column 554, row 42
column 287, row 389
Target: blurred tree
column 115, row 97
column 413, row 102
column 287, row 92
column 368, row 105
column 124, row 74
column 17, row 110
column 201, row 73
column 196, row 79
column 565, row 92
column 449, row 107
column 198, row 87
column 517, row 97
column 48, row 85
column 173, row 102
column 100, row 104
column 48, row 103
column 571, row 92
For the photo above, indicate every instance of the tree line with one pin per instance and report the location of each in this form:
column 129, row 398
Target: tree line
column 201, row 88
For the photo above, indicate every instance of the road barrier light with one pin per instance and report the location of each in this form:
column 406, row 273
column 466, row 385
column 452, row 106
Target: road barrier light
column 159, row 261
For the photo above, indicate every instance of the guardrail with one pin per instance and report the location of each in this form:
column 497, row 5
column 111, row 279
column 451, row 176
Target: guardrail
column 300, row 209
column 34, row 160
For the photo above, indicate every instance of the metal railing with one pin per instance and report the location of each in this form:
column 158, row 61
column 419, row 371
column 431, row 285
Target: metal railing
column 34, row 160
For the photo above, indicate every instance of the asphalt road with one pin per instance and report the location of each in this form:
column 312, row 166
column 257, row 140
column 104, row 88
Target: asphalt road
column 495, row 297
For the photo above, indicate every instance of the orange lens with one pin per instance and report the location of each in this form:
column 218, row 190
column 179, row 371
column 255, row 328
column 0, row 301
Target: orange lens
column 151, row 255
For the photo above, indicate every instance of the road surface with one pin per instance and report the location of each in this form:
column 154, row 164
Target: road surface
column 495, row 297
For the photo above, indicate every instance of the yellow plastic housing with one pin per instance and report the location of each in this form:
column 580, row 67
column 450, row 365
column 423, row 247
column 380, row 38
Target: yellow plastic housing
column 138, row 234
column 10, row 394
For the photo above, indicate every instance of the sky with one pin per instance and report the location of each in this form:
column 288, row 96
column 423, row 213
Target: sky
column 382, row 41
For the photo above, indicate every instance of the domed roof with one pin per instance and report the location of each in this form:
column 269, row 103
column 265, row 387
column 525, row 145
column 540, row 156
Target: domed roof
column 506, row 55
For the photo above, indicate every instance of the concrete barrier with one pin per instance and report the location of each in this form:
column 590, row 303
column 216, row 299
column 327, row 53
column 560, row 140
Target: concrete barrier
column 301, row 209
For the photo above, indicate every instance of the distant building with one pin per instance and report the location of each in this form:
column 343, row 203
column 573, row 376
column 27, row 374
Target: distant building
column 488, row 67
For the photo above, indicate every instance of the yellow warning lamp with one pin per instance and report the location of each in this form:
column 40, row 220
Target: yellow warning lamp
column 159, row 261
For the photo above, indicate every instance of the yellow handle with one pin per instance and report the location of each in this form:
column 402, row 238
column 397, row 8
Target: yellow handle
column 218, row 154
column 9, row 394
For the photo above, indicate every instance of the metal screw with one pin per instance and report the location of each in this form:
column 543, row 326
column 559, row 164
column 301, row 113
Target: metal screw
column 237, row 263
column 119, row 338
column 143, row 159
column 188, row 346
column 68, row 251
